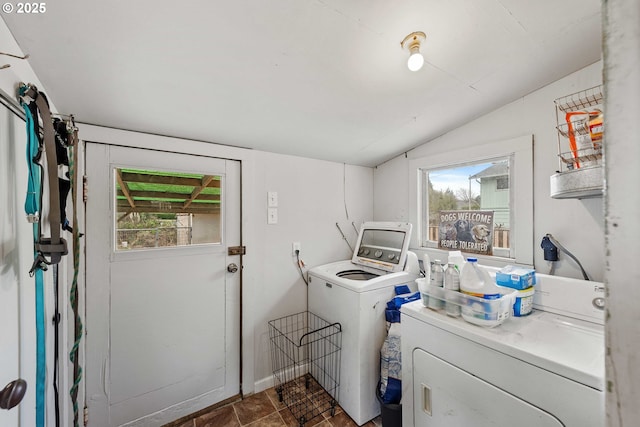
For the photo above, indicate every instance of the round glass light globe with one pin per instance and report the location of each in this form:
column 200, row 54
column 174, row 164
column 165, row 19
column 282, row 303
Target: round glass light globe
column 415, row 61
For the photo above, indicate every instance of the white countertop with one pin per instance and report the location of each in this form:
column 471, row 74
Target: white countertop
column 566, row 346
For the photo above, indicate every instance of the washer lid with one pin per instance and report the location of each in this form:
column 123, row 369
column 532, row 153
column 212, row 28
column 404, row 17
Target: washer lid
column 383, row 245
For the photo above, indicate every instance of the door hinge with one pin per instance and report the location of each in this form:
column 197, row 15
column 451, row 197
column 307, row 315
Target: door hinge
column 237, row 250
column 85, row 189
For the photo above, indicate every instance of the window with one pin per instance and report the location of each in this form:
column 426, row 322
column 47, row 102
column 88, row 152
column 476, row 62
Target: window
column 490, row 185
column 166, row 209
column 465, row 211
column 502, row 183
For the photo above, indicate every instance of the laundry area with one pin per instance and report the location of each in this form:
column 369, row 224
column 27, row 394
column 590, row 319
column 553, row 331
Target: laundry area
column 319, row 213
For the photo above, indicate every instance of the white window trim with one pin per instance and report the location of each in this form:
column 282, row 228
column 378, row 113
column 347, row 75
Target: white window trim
column 520, row 150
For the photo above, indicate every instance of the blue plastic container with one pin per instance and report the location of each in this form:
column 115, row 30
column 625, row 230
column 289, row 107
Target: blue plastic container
column 524, row 302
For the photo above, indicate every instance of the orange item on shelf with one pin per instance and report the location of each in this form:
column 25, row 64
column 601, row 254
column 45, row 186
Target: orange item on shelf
column 596, row 129
column 579, row 126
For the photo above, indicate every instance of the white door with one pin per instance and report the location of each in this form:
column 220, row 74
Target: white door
column 163, row 322
column 16, row 250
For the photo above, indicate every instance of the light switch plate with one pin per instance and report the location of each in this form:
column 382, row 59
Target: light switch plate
column 272, row 216
column 272, row 199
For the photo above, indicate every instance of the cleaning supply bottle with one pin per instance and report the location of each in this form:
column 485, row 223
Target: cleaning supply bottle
column 452, row 283
column 437, row 279
column 476, row 282
column 426, row 264
column 457, row 258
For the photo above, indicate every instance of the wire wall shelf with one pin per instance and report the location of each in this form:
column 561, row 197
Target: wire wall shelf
column 580, row 128
column 305, row 356
column 581, row 100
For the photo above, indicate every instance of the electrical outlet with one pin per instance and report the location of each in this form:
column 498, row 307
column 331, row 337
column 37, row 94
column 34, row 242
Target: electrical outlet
column 296, row 247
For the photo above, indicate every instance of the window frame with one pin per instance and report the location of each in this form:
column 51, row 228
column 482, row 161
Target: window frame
column 424, row 218
column 151, row 252
column 520, row 153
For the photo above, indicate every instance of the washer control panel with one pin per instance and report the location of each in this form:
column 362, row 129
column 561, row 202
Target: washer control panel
column 380, row 253
column 383, row 245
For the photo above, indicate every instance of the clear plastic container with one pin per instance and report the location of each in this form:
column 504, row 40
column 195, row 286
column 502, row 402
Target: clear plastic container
column 479, row 311
column 422, row 287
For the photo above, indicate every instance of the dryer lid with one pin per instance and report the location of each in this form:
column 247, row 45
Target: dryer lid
column 383, row 245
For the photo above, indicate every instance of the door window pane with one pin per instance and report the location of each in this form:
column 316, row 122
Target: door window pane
column 166, row 209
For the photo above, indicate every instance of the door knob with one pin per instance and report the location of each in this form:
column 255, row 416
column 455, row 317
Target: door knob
column 232, row 268
column 12, row 393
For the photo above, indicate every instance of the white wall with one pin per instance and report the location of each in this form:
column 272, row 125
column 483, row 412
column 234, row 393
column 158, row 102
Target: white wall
column 577, row 224
column 312, row 196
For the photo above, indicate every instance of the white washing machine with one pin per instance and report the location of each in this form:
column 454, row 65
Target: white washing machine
column 354, row 293
column 544, row 369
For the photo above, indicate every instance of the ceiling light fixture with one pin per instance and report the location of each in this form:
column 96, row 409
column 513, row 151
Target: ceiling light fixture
column 412, row 44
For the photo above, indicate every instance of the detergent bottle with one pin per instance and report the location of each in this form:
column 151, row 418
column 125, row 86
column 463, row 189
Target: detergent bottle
column 476, row 282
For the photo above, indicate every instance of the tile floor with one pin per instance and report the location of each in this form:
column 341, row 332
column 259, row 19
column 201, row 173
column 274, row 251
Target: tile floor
column 264, row 410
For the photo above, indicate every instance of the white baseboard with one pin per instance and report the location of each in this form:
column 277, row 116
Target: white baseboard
column 263, row 384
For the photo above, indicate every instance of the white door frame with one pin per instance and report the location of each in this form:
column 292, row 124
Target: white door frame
column 121, row 137
column 124, row 387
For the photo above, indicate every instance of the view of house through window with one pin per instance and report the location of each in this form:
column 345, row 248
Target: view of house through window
column 164, row 209
column 466, row 207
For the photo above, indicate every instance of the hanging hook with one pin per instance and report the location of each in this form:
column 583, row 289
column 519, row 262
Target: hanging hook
column 69, row 120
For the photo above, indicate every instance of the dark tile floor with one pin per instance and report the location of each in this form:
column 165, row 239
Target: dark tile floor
column 265, row 410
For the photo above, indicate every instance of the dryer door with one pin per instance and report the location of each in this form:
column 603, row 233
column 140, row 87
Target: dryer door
column 445, row 395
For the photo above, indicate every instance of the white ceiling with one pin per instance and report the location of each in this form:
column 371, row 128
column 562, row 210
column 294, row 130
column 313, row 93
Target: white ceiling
column 325, row 79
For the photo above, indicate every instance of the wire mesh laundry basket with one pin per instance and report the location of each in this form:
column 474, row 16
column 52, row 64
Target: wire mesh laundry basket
column 305, row 355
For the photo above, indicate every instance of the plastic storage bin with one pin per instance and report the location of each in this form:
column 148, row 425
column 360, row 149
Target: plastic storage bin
column 524, row 302
column 479, row 311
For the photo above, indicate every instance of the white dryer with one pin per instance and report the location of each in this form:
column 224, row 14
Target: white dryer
column 354, row 293
column 542, row 370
